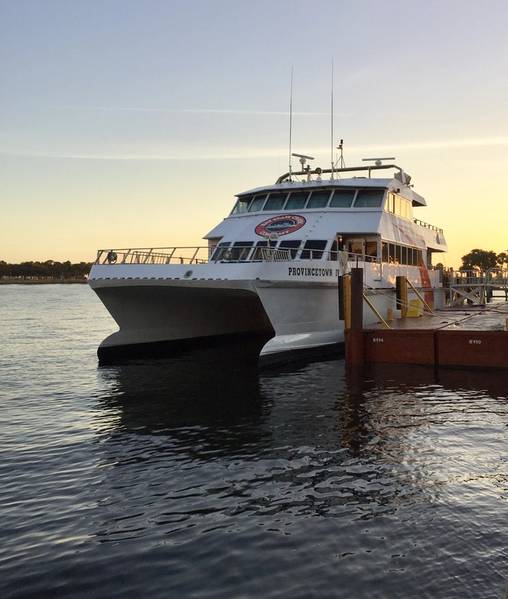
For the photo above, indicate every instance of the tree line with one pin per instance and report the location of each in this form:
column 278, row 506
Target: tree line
column 484, row 260
column 49, row 269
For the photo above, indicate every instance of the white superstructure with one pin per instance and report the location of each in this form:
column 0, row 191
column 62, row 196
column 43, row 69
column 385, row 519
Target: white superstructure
column 270, row 270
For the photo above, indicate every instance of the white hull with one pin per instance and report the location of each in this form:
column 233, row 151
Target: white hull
column 270, row 270
column 286, row 307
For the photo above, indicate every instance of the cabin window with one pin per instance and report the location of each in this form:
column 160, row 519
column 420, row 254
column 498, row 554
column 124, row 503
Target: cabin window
column 409, row 252
column 371, row 249
column 257, row 202
column 400, row 254
column 313, row 249
column 258, row 250
column 318, row 199
column 275, row 201
column 408, row 213
column 241, row 250
column 342, row 198
column 355, row 246
column 369, row 198
column 292, row 245
column 297, row 200
column 242, row 205
column 220, row 250
column 399, row 206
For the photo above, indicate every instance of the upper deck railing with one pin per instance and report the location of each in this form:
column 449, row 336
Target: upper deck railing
column 337, row 171
column 163, row 255
column 421, row 223
column 204, row 255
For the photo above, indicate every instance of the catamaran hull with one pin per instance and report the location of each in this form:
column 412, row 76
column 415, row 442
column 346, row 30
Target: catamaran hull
column 157, row 320
column 268, row 317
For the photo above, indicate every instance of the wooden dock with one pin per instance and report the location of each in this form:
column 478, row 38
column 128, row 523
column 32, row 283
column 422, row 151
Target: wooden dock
column 469, row 336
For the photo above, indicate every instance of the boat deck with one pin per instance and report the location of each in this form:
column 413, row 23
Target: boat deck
column 491, row 317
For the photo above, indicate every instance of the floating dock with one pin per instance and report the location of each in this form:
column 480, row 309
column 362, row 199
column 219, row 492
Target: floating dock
column 469, row 336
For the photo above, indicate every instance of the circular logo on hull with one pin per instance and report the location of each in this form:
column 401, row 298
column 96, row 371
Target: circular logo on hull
column 280, row 225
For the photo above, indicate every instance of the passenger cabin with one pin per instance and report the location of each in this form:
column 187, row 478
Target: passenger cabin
column 314, row 219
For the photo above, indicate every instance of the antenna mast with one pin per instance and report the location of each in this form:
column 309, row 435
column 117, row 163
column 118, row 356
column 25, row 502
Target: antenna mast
column 341, row 161
column 331, row 127
column 290, row 121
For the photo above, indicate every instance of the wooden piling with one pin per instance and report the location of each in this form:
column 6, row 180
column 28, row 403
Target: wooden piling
column 354, row 333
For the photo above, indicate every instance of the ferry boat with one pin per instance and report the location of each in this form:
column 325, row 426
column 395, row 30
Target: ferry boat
column 270, row 269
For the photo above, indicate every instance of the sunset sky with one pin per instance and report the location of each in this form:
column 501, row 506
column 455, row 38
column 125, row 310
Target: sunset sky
column 133, row 124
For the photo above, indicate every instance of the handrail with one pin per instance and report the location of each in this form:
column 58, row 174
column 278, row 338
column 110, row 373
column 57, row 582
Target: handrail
column 164, row 255
column 350, row 169
column 203, row 255
column 422, row 223
column 475, row 277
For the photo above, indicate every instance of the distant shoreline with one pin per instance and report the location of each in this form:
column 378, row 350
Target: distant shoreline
column 43, row 282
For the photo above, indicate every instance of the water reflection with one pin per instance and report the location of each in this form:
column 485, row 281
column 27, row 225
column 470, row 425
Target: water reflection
column 200, row 395
column 205, row 448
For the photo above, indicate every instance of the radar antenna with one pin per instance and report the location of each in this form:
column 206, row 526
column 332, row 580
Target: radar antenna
column 378, row 161
column 340, row 159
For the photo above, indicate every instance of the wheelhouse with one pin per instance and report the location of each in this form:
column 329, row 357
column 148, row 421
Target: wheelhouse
column 368, row 218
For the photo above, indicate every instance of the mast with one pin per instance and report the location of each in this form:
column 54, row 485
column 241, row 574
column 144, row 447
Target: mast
column 290, row 120
column 331, row 127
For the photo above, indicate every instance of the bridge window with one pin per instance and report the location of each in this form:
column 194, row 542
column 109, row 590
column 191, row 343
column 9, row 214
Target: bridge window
column 220, row 250
column 275, row 201
column 297, row 200
column 369, row 198
column 257, row 202
column 318, row 199
column 242, row 205
column 292, row 245
column 241, row 250
column 342, row 198
column 313, row 249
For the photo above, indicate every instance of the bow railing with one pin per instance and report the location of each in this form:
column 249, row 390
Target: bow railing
column 205, row 254
column 164, row 255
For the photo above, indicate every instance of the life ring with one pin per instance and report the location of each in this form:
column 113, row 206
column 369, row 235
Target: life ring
column 111, row 257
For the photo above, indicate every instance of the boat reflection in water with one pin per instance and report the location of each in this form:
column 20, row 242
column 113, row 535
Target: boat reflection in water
column 205, row 453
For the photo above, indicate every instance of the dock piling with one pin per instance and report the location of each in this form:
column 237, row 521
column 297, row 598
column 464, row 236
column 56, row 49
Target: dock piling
column 354, row 333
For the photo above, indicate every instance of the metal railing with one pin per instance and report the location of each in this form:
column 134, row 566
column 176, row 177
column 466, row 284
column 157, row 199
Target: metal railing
column 164, row 255
column 421, row 223
column 492, row 277
column 269, row 254
column 204, row 254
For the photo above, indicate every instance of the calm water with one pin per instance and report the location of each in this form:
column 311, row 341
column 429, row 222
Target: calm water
column 199, row 478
